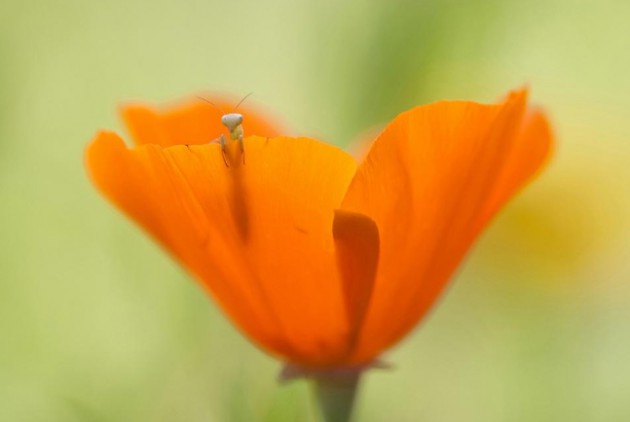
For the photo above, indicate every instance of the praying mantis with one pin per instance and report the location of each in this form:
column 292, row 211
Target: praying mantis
column 234, row 124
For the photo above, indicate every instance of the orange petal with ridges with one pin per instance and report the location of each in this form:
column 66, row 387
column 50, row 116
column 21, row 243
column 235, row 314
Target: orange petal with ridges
column 193, row 122
column 430, row 182
column 264, row 237
column 529, row 152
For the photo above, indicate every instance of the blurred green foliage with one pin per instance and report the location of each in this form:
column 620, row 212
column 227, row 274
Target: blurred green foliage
column 98, row 324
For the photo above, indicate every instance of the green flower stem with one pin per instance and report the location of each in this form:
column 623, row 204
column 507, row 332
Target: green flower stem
column 335, row 395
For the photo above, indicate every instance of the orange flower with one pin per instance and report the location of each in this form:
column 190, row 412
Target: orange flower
column 321, row 262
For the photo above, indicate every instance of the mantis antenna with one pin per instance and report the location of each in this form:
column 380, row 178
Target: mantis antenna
column 242, row 101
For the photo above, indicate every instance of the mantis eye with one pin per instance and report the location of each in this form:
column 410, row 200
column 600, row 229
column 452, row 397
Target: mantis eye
column 231, row 120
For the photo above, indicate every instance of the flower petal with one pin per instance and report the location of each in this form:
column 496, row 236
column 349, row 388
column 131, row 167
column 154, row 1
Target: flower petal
column 529, row 152
column 357, row 239
column 192, row 123
column 430, row 182
column 258, row 235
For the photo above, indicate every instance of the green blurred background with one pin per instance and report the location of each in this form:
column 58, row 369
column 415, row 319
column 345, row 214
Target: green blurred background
column 98, row 324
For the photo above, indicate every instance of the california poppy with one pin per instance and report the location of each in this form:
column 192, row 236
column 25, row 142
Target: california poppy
column 322, row 262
